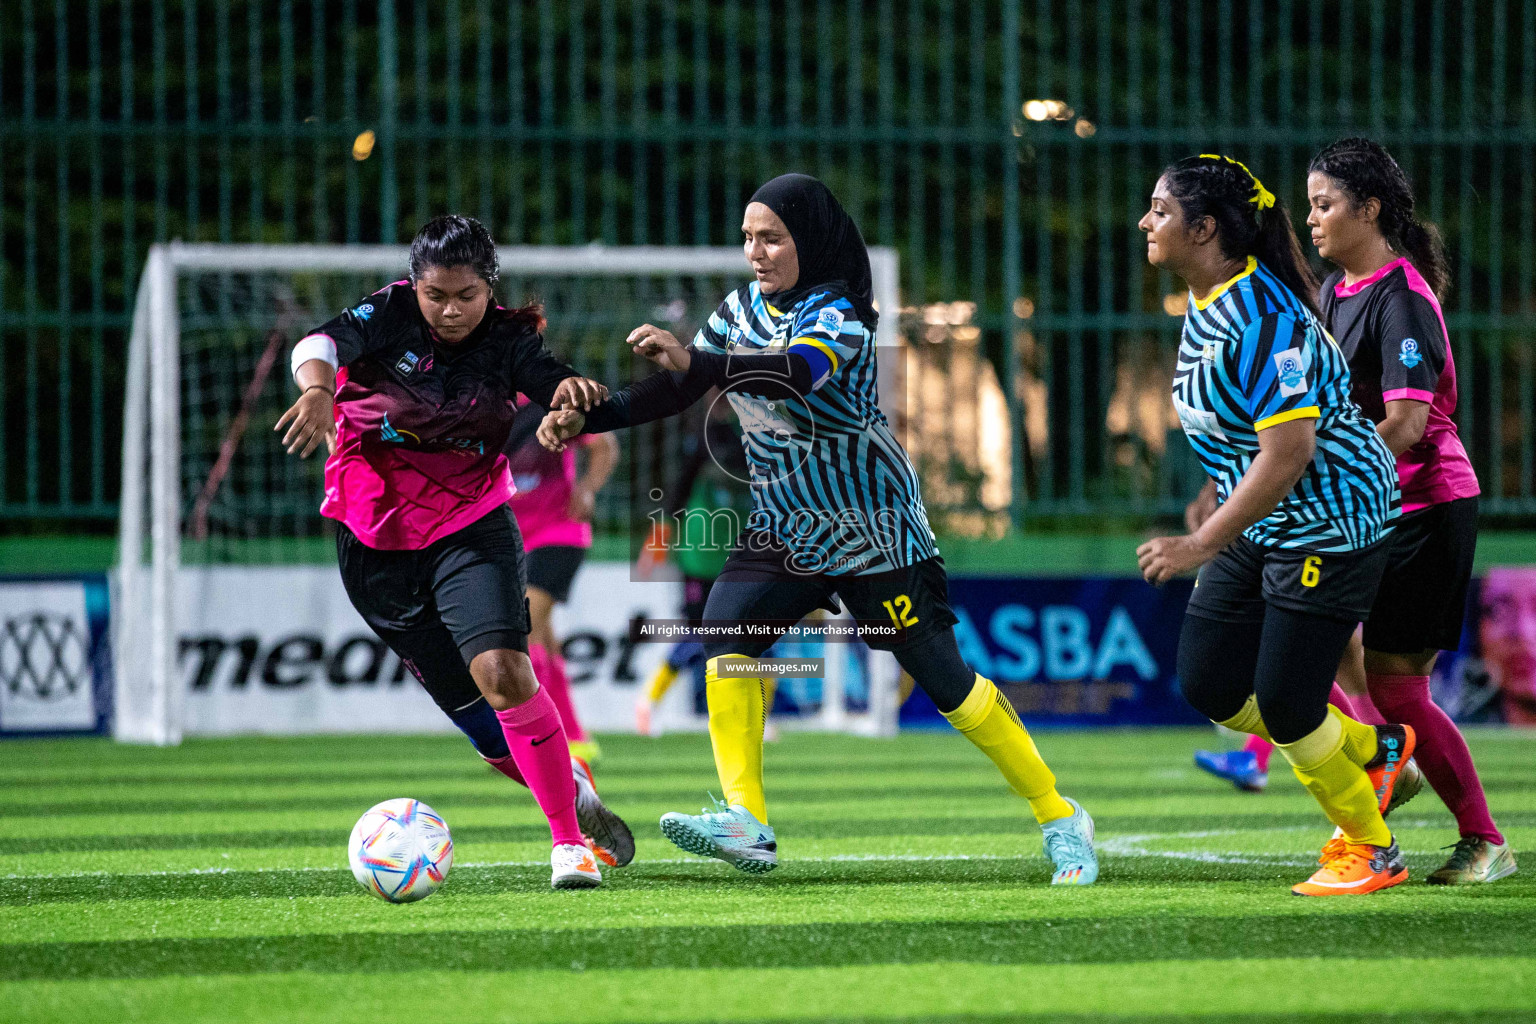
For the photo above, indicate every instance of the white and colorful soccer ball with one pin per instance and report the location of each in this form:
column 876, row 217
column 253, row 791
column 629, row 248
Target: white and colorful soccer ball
column 400, row 850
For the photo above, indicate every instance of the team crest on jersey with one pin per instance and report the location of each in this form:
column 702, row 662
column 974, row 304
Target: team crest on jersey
column 1208, row 354
column 407, row 363
column 1292, row 372
column 830, row 320
column 363, row 312
column 1409, row 355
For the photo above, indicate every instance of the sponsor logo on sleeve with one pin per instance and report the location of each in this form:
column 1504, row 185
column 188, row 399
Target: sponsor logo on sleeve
column 1408, row 354
column 830, row 320
column 364, row 312
column 1292, row 371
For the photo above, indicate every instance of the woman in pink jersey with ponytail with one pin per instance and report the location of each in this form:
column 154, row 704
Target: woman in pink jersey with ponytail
column 554, row 506
column 1382, row 307
column 411, row 392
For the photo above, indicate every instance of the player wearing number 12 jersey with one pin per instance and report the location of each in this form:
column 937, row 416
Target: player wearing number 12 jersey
column 836, row 513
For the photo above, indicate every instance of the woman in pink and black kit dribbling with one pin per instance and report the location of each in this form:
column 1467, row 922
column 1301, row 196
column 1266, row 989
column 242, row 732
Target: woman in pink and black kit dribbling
column 1383, row 309
column 411, row 390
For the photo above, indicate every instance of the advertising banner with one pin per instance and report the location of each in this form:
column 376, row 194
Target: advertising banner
column 1491, row 677
column 279, row 649
column 55, row 656
column 1072, row 652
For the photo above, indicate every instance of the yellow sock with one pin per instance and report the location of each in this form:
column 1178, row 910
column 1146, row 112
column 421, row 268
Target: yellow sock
column 1247, row 720
column 1322, row 762
column 661, row 681
column 736, row 733
column 989, row 721
column 1359, row 738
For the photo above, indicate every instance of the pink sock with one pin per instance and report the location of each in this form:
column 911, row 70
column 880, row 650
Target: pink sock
column 538, row 745
column 508, row 767
column 1260, row 748
column 549, row 669
column 1360, row 707
column 1441, row 752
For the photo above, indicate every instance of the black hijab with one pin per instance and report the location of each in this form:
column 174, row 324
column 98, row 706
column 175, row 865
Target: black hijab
column 831, row 250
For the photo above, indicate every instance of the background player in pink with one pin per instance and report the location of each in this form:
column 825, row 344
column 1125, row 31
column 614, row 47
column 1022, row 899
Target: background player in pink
column 411, row 391
column 554, row 506
column 1382, row 307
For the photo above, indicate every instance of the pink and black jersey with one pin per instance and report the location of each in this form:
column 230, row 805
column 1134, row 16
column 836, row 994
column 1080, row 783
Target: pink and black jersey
column 420, row 424
column 545, row 481
column 1392, row 331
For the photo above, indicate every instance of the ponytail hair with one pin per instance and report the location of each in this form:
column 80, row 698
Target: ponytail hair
column 1250, row 221
column 1363, row 170
column 454, row 240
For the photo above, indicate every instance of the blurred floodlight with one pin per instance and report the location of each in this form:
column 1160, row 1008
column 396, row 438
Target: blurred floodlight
column 1084, row 128
column 362, row 146
column 1023, row 308
column 1047, row 110
column 1176, row 304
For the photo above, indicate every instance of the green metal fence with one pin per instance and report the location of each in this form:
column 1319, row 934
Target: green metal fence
column 1040, row 343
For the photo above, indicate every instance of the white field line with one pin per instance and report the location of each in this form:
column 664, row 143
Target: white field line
column 1115, row 846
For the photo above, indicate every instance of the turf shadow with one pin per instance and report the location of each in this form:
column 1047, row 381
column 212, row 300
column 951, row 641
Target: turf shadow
column 1036, row 941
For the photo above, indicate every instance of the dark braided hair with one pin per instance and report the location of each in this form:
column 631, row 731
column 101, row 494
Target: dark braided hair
column 1363, row 170
column 1250, row 221
column 454, row 240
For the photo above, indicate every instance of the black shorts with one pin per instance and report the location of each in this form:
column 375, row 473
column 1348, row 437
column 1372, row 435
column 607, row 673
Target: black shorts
column 464, row 592
column 1236, row 585
column 759, row 584
column 552, row 568
column 1423, row 595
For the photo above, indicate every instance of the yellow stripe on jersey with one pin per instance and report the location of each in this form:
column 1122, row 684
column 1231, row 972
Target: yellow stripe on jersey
column 1253, row 265
column 818, row 343
column 1306, row 412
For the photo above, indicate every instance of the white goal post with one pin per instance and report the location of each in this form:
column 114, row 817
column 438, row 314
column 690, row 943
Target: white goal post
column 157, row 494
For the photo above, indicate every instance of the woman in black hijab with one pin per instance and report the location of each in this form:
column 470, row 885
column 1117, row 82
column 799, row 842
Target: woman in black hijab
column 836, row 513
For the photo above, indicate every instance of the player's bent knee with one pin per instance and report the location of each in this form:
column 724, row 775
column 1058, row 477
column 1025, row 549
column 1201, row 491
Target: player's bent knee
column 505, row 677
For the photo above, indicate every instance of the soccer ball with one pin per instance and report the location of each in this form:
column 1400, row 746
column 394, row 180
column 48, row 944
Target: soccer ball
column 400, row 850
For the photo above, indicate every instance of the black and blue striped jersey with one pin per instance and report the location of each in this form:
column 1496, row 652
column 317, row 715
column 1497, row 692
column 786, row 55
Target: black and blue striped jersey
column 828, row 477
column 1252, row 355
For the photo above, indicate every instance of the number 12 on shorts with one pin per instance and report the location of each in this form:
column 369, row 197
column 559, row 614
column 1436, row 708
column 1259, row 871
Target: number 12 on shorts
column 1311, row 571
column 900, row 611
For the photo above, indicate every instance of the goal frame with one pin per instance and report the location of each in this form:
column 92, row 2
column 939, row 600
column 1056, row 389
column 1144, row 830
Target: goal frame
column 149, row 697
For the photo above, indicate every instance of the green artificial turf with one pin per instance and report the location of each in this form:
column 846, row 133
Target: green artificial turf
column 209, row 882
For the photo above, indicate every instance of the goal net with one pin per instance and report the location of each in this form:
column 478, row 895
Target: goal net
column 228, row 614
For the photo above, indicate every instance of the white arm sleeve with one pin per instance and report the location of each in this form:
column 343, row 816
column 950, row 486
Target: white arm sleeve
column 314, row 346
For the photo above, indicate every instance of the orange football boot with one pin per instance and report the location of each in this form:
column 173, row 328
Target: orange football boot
column 1353, row 869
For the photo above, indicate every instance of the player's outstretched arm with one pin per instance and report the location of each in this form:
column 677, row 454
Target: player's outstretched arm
column 312, row 418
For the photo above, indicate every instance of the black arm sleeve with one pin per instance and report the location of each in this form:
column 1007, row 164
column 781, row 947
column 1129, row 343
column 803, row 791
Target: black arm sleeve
column 656, row 397
column 761, row 374
column 765, row 375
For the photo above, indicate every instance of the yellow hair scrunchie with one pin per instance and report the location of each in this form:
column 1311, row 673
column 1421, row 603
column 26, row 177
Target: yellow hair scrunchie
column 1262, row 197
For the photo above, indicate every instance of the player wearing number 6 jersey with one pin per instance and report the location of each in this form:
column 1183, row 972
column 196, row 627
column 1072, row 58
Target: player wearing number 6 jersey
column 1307, row 490
column 836, row 513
